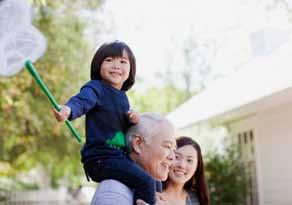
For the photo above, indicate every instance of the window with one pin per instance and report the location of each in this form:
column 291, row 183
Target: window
column 247, row 153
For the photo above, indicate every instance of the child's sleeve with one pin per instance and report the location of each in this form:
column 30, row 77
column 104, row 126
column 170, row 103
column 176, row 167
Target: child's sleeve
column 84, row 101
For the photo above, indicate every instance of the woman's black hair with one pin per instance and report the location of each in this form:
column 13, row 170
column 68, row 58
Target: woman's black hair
column 113, row 49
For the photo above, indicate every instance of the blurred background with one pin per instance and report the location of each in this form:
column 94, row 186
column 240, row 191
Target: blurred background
column 220, row 70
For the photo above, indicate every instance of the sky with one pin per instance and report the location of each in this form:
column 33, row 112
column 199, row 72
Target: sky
column 219, row 35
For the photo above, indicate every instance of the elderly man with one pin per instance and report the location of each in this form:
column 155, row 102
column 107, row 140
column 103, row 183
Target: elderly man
column 151, row 143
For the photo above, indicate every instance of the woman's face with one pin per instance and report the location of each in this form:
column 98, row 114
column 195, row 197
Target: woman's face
column 157, row 155
column 184, row 165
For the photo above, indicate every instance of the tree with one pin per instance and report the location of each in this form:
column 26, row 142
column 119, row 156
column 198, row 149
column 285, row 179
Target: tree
column 226, row 177
column 155, row 99
column 30, row 135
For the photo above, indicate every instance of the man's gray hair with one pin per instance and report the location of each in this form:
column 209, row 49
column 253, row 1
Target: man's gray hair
column 147, row 128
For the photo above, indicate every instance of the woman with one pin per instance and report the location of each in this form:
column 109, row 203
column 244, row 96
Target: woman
column 186, row 183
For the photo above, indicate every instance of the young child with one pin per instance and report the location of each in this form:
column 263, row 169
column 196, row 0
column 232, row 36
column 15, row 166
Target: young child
column 104, row 102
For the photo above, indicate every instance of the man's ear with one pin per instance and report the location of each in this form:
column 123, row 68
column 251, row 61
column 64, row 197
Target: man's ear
column 137, row 141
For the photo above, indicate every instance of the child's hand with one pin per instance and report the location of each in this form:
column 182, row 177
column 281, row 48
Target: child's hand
column 63, row 114
column 133, row 116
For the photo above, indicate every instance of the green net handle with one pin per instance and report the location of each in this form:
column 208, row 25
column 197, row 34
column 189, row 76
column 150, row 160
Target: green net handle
column 40, row 82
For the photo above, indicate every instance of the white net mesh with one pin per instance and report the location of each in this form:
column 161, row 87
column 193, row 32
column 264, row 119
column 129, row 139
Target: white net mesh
column 14, row 14
column 19, row 46
column 19, row 40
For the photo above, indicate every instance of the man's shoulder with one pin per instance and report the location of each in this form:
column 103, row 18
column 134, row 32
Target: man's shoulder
column 112, row 192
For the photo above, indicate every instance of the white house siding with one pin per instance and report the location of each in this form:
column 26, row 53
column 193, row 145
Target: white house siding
column 274, row 133
column 273, row 142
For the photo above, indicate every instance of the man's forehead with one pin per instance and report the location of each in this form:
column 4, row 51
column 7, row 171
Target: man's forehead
column 165, row 137
column 172, row 142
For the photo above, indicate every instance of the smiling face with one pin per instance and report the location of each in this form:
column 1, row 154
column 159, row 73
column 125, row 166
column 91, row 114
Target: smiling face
column 115, row 70
column 157, row 155
column 184, row 165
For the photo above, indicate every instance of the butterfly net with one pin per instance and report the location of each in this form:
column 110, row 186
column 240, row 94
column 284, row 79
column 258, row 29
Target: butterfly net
column 19, row 39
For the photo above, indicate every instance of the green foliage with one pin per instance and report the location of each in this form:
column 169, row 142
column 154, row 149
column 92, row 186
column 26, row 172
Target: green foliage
column 29, row 134
column 77, row 4
column 162, row 100
column 226, row 177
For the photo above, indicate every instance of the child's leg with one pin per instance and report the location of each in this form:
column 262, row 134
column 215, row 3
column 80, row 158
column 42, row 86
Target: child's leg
column 127, row 172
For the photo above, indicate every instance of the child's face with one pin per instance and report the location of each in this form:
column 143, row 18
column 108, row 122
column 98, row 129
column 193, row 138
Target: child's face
column 115, row 70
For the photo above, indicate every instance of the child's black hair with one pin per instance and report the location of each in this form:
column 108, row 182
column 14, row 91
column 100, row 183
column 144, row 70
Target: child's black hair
column 113, row 49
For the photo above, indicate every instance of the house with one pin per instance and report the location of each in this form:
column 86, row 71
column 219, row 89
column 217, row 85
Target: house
column 255, row 103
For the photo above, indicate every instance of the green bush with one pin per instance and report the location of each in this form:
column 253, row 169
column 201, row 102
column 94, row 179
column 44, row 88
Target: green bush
column 226, row 177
